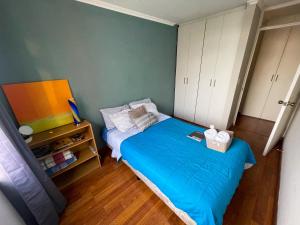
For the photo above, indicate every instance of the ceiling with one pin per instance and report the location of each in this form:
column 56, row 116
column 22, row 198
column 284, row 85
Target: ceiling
column 178, row 11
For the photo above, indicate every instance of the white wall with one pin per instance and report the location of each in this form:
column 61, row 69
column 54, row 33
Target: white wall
column 8, row 214
column 289, row 192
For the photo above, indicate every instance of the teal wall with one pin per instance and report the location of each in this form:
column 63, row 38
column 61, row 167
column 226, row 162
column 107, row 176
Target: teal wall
column 108, row 57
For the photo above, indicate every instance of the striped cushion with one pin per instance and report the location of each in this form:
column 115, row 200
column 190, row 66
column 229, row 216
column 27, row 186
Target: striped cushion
column 138, row 112
column 145, row 121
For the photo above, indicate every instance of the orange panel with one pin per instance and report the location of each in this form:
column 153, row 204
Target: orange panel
column 38, row 100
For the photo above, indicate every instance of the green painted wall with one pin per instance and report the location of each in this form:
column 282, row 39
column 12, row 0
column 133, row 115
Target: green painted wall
column 109, row 58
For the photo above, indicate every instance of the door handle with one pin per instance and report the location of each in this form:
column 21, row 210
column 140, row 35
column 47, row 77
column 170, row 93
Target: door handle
column 214, row 82
column 210, row 82
column 276, row 77
column 184, row 80
column 272, row 77
column 292, row 104
column 187, row 80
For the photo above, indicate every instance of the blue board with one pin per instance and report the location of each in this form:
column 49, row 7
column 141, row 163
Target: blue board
column 197, row 180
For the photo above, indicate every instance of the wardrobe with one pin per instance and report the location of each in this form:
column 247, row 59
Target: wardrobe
column 276, row 65
column 189, row 54
column 206, row 57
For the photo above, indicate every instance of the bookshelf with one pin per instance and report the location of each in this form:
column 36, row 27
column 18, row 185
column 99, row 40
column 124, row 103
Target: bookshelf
column 85, row 150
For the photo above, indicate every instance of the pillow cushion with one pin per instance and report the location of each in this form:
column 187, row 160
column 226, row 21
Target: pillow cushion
column 122, row 120
column 138, row 112
column 146, row 100
column 109, row 111
column 145, row 121
column 150, row 108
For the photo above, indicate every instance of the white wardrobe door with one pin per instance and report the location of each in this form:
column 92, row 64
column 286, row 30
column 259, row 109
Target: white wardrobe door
column 231, row 31
column 181, row 70
column 267, row 62
column 208, row 66
column 194, row 63
column 285, row 73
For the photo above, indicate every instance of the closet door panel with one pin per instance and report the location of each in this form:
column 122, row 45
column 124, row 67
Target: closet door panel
column 228, row 47
column 194, row 63
column 208, row 66
column 285, row 73
column 181, row 70
column 267, row 62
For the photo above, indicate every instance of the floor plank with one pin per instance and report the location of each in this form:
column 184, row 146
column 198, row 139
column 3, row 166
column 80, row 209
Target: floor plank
column 112, row 195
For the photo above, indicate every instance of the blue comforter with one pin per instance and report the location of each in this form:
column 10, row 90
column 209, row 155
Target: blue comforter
column 197, row 180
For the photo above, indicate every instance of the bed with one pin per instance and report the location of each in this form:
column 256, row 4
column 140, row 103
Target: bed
column 195, row 182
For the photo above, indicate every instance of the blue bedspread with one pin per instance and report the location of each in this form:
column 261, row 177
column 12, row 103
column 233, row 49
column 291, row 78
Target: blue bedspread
column 197, row 180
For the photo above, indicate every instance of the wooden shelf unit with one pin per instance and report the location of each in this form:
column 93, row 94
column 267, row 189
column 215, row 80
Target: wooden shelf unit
column 86, row 151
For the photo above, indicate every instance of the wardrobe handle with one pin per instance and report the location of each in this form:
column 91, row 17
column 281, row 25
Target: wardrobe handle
column 187, row 80
column 272, row 77
column 214, row 82
column 184, row 80
column 276, row 77
column 210, row 82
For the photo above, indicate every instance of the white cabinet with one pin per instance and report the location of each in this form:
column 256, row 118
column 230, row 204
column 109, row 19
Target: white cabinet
column 208, row 64
column 276, row 64
column 181, row 71
column 189, row 53
column 228, row 46
column 220, row 47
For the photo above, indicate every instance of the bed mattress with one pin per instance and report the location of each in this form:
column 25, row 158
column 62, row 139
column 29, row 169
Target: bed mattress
column 197, row 180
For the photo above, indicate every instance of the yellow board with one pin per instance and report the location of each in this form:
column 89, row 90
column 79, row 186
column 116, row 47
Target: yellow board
column 41, row 105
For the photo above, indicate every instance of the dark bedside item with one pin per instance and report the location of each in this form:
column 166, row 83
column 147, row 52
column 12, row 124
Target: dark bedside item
column 42, row 151
column 197, row 136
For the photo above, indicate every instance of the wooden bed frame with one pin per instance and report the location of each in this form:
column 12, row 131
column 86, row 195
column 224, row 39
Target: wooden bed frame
column 181, row 214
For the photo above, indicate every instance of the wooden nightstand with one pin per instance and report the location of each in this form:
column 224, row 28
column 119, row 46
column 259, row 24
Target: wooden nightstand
column 86, row 150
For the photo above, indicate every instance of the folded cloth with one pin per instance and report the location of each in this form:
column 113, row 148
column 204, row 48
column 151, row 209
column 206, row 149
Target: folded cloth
column 54, row 169
column 222, row 137
column 211, row 133
column 56, row 159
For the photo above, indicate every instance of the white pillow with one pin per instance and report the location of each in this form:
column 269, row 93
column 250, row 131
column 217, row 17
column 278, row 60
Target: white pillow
column 150, row 108
column 146, row 100
column 108, row 111
column 122, row 120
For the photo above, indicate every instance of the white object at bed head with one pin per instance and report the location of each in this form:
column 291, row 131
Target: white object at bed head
column 122, row 120
column 146, row 100
column 109, row 111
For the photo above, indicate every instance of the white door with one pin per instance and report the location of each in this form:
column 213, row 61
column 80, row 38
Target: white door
column 210, row 53
column 194, row 64
column 267, row 62
column 181, row 70
column 284, row 76
column 285, row 113
column 228, row 47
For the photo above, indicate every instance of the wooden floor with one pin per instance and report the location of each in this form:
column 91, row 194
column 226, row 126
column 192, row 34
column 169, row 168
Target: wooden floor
column 112, row 195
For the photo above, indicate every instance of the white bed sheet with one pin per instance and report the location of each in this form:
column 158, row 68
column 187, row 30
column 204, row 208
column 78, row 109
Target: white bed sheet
column 115, row 137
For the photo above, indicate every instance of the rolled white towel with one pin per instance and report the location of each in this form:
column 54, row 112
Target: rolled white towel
column 222, row 137
column 211, row 133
